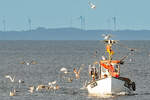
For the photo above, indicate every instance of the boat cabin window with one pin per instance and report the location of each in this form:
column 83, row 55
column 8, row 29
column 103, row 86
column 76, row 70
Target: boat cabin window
column 93, row 72
column 116, row 67
column 104, row 72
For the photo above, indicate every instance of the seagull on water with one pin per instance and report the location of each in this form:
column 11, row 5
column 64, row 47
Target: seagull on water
column 52, row 83
column 31, row 89
column 12, row 93
column 64, row 70
column 20, row 81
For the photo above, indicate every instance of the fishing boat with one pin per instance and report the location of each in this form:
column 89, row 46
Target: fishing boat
column 107, row 79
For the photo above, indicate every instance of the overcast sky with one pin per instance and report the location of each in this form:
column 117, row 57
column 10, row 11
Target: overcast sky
column 130, row 14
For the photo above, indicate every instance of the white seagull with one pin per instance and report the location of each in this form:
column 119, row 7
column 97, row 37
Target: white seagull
column 77, row 73
column 92, row 5
column 31, row 89
column 29, row 63
column 103, row 58
column 9, row 77
column 107, row 36
column 64, row 70
column 20, row 81
column 52, row 83
column 12, row 93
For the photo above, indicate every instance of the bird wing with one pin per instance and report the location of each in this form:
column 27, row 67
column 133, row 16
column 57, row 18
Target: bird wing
column 54, row 82
column 23, row 62
column 81, row 67
column 89, row 3
column 9, row 77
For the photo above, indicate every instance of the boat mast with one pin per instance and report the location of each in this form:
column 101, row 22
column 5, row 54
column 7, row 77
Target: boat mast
column 109, row 63
column 109, row 50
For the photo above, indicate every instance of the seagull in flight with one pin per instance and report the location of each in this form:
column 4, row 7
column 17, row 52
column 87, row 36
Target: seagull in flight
column 77, row 73
column 9, row 77
column 28, row 63
column 92, row 5
column 107, row 36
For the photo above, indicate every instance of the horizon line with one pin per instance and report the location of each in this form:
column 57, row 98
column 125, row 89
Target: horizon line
column 44, row 28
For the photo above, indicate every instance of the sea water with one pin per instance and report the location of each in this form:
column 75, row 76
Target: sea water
column 51, row 56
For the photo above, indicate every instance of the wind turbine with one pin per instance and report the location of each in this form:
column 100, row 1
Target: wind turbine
column 81, row 19
column 114, row 20
column 4, row 24
column 82, row 22
column 71, row 22
column 29, row 22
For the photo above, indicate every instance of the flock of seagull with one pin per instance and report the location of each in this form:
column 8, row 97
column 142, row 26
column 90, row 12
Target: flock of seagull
column 49, row 86
column 52, row 85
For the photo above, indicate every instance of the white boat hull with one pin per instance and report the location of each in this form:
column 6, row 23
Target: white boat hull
column 108, row 85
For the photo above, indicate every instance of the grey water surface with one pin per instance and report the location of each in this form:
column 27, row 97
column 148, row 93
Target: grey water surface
column 51, row 56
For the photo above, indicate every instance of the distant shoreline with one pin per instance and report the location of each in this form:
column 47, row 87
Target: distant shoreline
column 73, row 34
